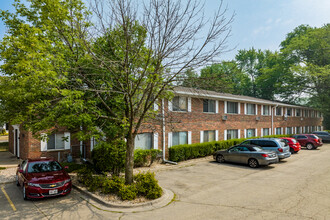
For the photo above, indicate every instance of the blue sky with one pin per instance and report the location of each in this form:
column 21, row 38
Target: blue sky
column 261, row 24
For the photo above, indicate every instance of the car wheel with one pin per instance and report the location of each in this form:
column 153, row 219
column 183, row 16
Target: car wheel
column 253, row 163
column 220, row 158
column 309, row 146
column 292, row 151
column 17, row 182
column 24, row 193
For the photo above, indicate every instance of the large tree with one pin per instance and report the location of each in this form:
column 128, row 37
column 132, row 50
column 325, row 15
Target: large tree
column 107, row 75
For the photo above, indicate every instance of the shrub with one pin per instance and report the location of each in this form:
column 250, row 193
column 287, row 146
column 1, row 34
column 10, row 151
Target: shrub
column 127, row 192
column 109, row 157
column 112, row 185
column 73, row 167
column 85, row 176
column 147, row 185
column 145, row 157
column 96, row 183
column 189, row 151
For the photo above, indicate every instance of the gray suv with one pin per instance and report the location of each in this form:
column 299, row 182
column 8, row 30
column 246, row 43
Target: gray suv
column 279, row 146
column 325, row 136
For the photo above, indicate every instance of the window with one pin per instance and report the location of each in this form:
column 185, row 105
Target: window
column 265, row 131
column 179, row 138
column 298, row 130
column 319, row 128
column 250, row 133
column 265, row 110
column 278, row 111
column 278, row 130
column 143, row 141
column 306, row 113
column 180, row 104
column 208, row 105
column 289, row 130
column 313, row 114
column 250, row 109
column 232, row 107
column 232, row 134
column 289, row 111
column 298, row 112
column 55, row 141
column 318, row 115
column 306, row 129
column 209, row 136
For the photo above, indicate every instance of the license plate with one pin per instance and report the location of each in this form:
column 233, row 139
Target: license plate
column 53, row 191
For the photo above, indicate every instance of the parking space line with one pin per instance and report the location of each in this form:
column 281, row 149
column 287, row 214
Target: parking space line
column 9, row 200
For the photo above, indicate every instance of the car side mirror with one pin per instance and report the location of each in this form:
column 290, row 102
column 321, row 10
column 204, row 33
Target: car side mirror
column 20, row 171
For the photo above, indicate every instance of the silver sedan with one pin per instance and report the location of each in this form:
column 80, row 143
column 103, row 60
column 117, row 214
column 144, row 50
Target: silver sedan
column 246, row 154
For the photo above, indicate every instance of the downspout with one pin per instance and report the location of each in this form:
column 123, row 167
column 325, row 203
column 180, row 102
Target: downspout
column 164, row 134
column 273, row 118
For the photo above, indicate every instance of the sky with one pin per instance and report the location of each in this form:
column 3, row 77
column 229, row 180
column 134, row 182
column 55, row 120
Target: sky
column 261, row 24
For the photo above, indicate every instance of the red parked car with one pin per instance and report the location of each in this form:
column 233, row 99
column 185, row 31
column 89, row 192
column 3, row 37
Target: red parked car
column 43, row 177
column 310, row 141
column 293, row 144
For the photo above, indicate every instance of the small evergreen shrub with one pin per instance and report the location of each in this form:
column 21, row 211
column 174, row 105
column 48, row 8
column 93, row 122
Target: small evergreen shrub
column 145, row 157
column 73, row 167
column 109, row 157
column 127, row 192
column 85, row 176
column 148, row 186
column 96, row 183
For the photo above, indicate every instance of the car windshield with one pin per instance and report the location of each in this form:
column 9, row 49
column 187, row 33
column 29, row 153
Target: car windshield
column 44, row 166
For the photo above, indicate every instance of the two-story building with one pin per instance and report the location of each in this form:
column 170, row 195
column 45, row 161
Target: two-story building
column 192, row 116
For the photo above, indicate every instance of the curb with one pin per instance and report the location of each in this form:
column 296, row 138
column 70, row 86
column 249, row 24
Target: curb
column 166, row 198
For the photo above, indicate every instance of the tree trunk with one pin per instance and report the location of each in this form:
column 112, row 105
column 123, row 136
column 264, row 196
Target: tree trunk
column 129, row 163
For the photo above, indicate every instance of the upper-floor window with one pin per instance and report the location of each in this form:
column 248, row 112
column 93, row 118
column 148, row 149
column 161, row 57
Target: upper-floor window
column 208, row 105
column 306, row 113
column 250, row 109
column 319, row 114
column 180, row 104
column 298, row 112
column 313, row 114
column 289, row 111
column 143, row 141
column 265, row 110
column 232, row 107
column 278, row 111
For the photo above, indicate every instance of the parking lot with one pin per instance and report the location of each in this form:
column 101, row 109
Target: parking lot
column 296, row 188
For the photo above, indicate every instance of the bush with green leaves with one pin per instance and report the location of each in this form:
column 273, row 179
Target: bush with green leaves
column 73, row 167
column 145, row 157
column 109, row 157
column 147, row 185
column 189, row 151
column 85, row 175
column 128, row 192
column 112, row 185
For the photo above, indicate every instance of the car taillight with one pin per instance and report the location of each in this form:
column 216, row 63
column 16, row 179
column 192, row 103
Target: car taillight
column 264, row 155
column 316, row 140
column 280, row 149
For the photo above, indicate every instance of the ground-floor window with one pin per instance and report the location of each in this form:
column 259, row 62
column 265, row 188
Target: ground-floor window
column 319, row 128
column 143, row 141
column 56, row 141
column 289, row 130
column 298, row 130
column 232, row 134
column 278, row 131
column 265, row 131
column 179, row 138
column 306, row 129
column 209, row 136
column 250, row 133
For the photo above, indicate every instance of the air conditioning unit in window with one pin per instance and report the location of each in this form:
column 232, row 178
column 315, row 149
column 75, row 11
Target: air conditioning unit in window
column 258, row 118
column 301, row 119
column 224, row 117
column 285, row 117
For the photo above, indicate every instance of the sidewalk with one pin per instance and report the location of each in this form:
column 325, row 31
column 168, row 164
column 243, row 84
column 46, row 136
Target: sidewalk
column 8, row 160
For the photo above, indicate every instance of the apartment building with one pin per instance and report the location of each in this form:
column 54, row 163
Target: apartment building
column 192, row 116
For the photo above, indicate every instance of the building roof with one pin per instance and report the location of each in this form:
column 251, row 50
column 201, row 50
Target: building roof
column 199, row 93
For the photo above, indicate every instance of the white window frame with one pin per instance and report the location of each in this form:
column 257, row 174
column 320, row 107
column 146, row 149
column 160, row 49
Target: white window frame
column 44, row 140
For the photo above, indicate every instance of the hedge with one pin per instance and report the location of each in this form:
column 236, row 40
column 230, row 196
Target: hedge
column 190, row 151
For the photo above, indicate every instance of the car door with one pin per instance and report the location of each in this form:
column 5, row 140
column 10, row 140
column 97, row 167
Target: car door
column 232, row 154
column 243, row 154
column 302, row 139
column 21, row 175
